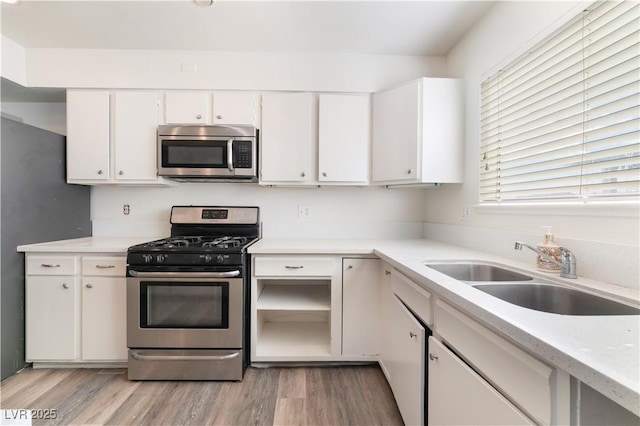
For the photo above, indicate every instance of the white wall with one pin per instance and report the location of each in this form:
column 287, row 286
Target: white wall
column 12, row 61
column 507, row 29
column 335, row 212
column 51, row 116
column 86, row 68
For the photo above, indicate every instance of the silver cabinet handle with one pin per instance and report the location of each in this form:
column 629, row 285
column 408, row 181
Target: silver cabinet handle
column 230, row 155
column 89, row 285
column 121, row 172
column 199, row 116
column 409, row 171
column 324, row 174
column 387, row 272
column 219, row 117
column 412, row 334
column 350, row 267
column 433, row 357
column 303, row 174
column 293, row 267
column 65, row 286
column 100, row 172
column 50, row 265
column 105, row 266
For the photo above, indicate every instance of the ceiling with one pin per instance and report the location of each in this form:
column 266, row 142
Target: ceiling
column 421, row 28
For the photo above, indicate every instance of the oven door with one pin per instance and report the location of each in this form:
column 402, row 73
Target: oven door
column 206, row 157
column 169, row 311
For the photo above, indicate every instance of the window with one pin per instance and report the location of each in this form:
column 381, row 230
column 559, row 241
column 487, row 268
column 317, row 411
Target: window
column 563, row 121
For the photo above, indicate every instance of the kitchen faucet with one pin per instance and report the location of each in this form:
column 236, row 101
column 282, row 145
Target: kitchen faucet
column 568, row 264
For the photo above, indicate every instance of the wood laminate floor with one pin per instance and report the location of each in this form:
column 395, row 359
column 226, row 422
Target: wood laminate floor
column 356, row 395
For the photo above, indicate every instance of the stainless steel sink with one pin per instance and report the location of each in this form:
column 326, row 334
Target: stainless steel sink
column 556, row 299
column 478, row 272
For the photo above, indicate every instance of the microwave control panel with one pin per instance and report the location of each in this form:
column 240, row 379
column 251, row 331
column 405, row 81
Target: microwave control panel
column 242, row 154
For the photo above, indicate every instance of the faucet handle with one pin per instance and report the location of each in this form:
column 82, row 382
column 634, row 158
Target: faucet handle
column 569, row 268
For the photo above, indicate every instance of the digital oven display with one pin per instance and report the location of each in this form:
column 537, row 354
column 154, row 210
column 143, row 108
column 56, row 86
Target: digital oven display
column 215, row 214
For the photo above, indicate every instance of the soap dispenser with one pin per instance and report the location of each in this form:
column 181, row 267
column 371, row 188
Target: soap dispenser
column 550, row 248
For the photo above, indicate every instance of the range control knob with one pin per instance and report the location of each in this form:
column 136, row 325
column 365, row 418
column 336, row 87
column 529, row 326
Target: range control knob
column 161, row 258
column 219, row 258
column 207, row 258
column 147, row 258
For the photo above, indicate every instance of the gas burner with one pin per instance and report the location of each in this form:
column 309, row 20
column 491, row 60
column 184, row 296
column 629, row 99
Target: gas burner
column 225, row 242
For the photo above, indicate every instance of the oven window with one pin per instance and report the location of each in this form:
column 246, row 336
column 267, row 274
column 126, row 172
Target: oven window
column 194, row 154
column 184, row 305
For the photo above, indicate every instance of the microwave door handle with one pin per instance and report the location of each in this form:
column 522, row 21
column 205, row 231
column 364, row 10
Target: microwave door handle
column 230, row 154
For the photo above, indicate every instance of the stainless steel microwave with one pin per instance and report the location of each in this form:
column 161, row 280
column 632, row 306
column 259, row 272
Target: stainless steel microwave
column 208, row 153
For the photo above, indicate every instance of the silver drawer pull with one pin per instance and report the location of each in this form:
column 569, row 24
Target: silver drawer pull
column 433, row 357
column 293, row 267
column 105, row 266
column 50, row 265
column 65, row 286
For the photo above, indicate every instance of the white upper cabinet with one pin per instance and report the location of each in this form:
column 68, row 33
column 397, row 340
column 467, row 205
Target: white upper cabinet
column 88, row 134
column 135, row 128
column 288, row 139
column 418, row 133
column 187, row 107
column 309, row 139
column 344, row 138
column 236, row 109
column 111, row 137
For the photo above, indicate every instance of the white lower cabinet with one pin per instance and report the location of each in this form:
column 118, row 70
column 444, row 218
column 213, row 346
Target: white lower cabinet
column 78, row 317
column 544, row 398
column 459, row 396
column 405, row 363
column 296, row 308
column 360, row 308
column 50, row 327
column 104, row 316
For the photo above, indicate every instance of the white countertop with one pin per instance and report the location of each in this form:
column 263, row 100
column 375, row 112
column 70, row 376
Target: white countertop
column 86, row 245
column 601, row 351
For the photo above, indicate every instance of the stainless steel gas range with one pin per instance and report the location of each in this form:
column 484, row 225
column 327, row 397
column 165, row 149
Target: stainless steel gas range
column 187, row 296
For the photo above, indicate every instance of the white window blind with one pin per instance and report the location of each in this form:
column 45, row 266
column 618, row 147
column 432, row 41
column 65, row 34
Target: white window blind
column 563, row 120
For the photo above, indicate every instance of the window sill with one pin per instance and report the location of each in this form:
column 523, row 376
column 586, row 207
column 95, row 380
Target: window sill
column 601, row 209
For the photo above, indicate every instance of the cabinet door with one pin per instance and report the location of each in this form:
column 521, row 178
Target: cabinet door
column 135, row 128
column 344, row 138
column 50, row 318
column 235, row 109
column 386, row 298
column 459, row 396
column 104, row 327
column 187, row 108
column 88, row 121
column 406, row 362
column 396, row 126
column 288, row 138
column 360, row 301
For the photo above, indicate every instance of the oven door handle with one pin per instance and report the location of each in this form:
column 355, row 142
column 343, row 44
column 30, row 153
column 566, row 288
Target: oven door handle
column 228, row 274
column 138, row 356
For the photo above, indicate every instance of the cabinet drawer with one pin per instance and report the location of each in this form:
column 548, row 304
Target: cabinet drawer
column 414, row 296
column 294, row 266
column 522, row 378
column 51, row 265
column 104, row 265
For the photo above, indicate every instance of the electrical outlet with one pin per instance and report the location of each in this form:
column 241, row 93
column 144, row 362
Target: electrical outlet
column 465, row 214
column 126, row 209
column 304, row 212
